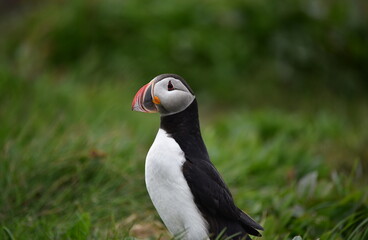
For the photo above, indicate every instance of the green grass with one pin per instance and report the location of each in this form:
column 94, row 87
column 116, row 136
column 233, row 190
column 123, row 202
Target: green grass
column 286, row 130
column 72, row 164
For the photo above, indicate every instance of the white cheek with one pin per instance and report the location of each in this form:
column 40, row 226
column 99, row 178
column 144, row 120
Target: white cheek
column 176, row 101
column 173, row 101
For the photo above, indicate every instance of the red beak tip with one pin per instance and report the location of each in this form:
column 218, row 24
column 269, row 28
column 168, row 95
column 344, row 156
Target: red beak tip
column 138, row 99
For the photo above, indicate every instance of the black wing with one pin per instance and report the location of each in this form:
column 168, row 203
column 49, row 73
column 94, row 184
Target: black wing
column 215, row 200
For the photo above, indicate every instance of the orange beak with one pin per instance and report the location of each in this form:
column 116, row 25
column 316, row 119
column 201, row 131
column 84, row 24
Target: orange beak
column 143, row 100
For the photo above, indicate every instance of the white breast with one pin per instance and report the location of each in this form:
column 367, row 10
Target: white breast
column 169, row 190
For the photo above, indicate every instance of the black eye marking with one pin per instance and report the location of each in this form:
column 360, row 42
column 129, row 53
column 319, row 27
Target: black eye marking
column 170, row 87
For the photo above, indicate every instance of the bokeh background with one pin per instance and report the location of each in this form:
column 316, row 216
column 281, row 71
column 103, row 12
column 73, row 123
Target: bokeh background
column 282, row 90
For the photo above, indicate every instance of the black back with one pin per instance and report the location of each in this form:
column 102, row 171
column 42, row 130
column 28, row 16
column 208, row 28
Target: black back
column 211, row 195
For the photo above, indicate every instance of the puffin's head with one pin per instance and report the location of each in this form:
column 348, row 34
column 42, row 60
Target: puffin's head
column 167, row 94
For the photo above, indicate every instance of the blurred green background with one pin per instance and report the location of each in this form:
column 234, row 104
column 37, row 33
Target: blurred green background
column 282, row 90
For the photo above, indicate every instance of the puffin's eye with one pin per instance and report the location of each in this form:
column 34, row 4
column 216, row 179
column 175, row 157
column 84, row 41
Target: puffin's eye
column 170, row 87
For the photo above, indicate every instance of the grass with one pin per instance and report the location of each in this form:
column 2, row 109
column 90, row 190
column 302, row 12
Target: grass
column 55, row 157
column 73, row 165
column 293, row 152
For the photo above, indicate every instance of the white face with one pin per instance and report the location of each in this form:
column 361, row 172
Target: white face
column 173, row 95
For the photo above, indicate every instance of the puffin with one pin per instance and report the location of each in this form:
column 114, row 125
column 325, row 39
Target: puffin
column 187, row 191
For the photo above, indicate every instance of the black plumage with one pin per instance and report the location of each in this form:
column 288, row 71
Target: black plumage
column 211, row 195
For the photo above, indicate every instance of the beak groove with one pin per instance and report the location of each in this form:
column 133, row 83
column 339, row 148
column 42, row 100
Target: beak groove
column 142, row 101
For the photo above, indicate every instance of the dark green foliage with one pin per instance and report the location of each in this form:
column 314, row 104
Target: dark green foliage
column 295, row 45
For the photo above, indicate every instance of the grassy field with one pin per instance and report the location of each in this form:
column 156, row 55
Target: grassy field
column 72, row 151
column 73, row 165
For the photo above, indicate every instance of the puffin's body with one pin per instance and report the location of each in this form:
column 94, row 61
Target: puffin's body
column 169, row 190
column 185, row 188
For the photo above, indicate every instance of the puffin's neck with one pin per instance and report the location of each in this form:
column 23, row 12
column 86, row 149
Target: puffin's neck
column 184, row 128
column 183, row 122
